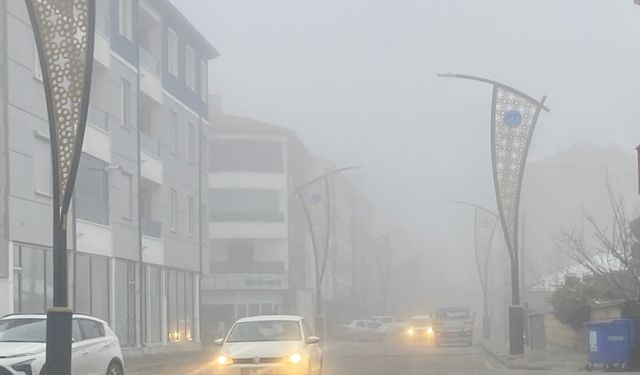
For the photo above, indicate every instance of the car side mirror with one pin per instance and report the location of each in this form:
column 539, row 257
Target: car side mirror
column 313, row 340
column 218, row 342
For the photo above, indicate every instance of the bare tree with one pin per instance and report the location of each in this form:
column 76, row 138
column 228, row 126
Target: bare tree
column 610, row 254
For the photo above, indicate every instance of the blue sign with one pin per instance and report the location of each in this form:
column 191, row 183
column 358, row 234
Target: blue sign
column 512, row 118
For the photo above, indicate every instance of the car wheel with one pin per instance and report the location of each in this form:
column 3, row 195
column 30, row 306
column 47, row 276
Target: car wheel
column 115, row 369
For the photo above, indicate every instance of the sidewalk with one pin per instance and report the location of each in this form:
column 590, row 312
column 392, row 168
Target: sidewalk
column 149, row 362
column 552, row 358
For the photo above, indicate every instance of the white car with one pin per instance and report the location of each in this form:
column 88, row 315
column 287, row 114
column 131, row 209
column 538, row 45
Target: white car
column 95, row 349
column 391, row 325
column 364, row 330
column 270, row 344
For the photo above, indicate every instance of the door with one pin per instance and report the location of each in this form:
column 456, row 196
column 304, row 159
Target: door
column 79, row 360
column 95, row 347
column 315, row 354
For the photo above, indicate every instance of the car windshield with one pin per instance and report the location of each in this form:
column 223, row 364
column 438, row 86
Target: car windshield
column 280, row 330
column 23, row 330
column 420, row 322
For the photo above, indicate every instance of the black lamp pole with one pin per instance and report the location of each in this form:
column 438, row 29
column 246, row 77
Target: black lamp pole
column 64, row 34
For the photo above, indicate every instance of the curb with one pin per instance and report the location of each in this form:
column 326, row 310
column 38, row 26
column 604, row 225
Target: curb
column 511, row 365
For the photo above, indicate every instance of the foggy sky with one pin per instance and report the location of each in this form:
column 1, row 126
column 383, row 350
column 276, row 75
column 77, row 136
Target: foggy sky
column 356, row 79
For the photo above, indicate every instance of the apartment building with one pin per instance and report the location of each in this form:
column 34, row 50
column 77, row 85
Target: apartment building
column 135, row 239
column 253, row 168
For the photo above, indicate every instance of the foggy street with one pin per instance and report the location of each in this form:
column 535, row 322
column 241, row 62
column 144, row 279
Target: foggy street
column 345, row 358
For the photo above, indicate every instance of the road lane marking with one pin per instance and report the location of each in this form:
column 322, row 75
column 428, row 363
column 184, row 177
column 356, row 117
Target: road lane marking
column 488, row 364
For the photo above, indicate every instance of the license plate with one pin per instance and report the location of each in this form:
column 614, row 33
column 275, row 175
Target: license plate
column 255, row 371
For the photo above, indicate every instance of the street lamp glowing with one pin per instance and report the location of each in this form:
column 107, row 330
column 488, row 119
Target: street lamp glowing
column 64, row 34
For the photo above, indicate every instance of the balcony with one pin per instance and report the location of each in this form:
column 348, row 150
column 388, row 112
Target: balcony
column 260, row 217
column 149, row 144
column 273, row 266
column 151, row 228
column 152, row 250
column 151, row 167
column 244, row 229
column 246, row 281
column 89, row 209
column 150, row 82
column 102, row 44
column 98, row 118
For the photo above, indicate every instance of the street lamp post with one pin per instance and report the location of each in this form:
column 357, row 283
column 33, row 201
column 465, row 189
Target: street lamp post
column 513, row 119
column 64, row 34
column 482, row 265
column 320, row 264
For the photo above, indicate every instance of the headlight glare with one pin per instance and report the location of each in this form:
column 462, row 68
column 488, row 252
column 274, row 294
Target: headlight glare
column 411, row 332
column 223, row 360
column 429, row 331
column 295, row 358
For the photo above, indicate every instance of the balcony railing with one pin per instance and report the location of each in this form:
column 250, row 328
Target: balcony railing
column 151, row 228
column 249, row 267
column 231, row 216
column 102, row 25
column 98, row 118
column 150, row 61
column 246, row 281
column 149, row 144
column 90, row 209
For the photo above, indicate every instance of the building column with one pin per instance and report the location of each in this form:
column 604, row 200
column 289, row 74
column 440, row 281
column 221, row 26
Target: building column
column 163, row 313
column 196, row 308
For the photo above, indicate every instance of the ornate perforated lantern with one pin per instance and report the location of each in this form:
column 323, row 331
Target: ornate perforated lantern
column 64, row 34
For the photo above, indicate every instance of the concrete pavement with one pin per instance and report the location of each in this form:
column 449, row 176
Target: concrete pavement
column 344, row 358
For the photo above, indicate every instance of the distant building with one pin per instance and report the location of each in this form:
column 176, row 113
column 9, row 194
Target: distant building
column 135, row 242
column 253, row 240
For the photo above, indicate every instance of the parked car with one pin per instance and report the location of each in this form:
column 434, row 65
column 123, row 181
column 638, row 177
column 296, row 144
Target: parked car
column 95, row 349
column 390, row 324
column 364, row 330
column 269, row 344
column 454, row 325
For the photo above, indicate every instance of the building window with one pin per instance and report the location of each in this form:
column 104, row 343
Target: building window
column 154, row 305
column 92, row 190
column 174, row 210
column 42, row 167
column 127, row 186
column 126, row 19
column 190, row 62
column 37, row 69
column 251, row 205
column 173, row 127
column 92, row 287
column 180, row 294
column 172, row 52
column 191, row 142
column 125, row 302
column 191, row 215
column 204, row 81
column 126, row 103
column 246, row 155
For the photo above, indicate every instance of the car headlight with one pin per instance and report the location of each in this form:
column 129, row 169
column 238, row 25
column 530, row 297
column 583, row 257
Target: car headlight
column 429, row 331
column 411, row 332
column 224, row 360
column 294, row 358
column 24, row 366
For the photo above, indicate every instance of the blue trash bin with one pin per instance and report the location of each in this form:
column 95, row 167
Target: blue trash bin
column 610, row 343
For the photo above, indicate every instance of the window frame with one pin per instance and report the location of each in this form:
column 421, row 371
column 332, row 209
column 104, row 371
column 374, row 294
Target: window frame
column 126, row 108
column 125, row 29
column 175, row 131
column 128, row 188
column 191, row 142
column 172, row 52
column 100, row 326
column 204, row 80
column 190, row 215
column 173, row 201
column 190, row 68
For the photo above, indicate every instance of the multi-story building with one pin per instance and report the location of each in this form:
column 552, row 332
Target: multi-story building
column 253, row 168
column 135, row 239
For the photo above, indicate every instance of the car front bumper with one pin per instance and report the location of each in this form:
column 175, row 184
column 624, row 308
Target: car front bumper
column 262, row 369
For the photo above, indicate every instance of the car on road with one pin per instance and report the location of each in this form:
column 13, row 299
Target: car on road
column 421, row 329
column 392, row 326
column 269, row 344
column 454, row 325
column 363, row 330
column 95, row 349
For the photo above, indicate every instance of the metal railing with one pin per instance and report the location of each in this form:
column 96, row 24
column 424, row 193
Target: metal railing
column 150, row 227
column 149, row 144
column 150, row 61
column 98, row 118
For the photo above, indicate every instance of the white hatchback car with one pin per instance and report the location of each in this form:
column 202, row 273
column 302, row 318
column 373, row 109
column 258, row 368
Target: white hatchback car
column 95, row 348
column 269, row 345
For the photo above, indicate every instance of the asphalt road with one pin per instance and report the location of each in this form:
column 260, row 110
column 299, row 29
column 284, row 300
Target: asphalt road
column 385, row 359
